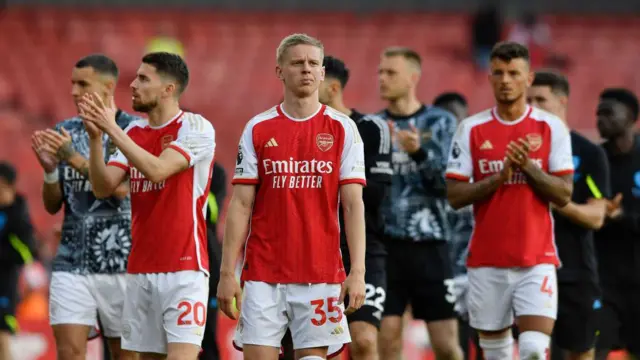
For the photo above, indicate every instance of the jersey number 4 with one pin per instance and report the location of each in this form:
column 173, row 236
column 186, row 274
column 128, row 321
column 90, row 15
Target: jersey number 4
column 335, row 313
column 546, row 288
column 197, row 311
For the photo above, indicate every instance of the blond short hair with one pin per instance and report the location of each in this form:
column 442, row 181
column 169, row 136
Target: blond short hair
column 297, row 39
column 408, row 54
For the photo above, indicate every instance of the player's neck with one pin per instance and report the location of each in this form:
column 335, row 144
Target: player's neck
column 512, row 111
column 339, row 105
column 300, row 108
column 624, row 144
column 404, row 106
column 161, row 115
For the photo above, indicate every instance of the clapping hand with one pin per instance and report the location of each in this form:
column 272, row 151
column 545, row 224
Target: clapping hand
column 45, row 154
column 97, row 114
column 407, row 140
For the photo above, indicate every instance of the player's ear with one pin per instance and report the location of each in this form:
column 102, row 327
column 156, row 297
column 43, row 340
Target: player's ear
column 530, row 76
column 564, row 100
column 171, row 89
column 322, row 74
column 279, row 72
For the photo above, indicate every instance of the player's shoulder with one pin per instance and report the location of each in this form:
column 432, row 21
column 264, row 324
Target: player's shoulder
column 475, row 120
column 195, row 122
column 347, row 123
column 436, row 111
column 267, row 115
column 552, row 120
column 138, row 122
column 123, row 118
column 71, row 123
column 585, row 148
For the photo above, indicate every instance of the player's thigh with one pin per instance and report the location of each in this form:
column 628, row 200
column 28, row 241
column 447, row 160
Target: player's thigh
column 577, row 324
column 263, row 316
column 398, row 277
column 535, row 298
column 109, row 292
column 71, row 303
column 184, row 296
column 490, row 299
column 142, row 328
column 316, row 317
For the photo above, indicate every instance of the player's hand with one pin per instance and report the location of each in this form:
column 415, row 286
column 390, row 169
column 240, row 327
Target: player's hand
column 614, row 207
column 45, row 154
column 94, row 110
column 59, row 142
column 353, row 286
column 229, row 294
column 518, row 153
column 407, row 140
column 93, row 131
column 507, row 170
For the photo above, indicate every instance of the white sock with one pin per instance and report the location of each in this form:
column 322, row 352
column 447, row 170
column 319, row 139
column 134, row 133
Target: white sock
column 533, row 345
column 497, row 349
column 312, row 357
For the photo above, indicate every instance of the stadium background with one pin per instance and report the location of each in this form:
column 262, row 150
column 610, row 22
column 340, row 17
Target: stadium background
column 230, row 47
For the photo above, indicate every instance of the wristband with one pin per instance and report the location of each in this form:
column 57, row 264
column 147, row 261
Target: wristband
column 52, row 177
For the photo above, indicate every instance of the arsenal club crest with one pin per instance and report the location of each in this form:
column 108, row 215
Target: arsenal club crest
column 324, row 141
column 535, row 141
column 166, row 140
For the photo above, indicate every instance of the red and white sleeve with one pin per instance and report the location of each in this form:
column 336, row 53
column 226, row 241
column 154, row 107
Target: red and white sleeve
column 560, row 156
column 352, row 168
column 247, row 161
column 196, row 139
column 460, row 164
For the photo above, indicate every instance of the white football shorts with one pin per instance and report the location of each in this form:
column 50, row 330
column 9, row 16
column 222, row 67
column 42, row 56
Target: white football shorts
column 310, row 311
column 79, row 299
column 164, row 308
column 495, row 294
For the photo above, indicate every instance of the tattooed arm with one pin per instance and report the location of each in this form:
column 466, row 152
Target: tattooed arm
column 61, row 142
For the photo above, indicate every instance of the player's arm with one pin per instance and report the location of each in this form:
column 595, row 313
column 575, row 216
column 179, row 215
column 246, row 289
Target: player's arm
column 592, row 214
column 354, row 224
column 431, row 157
column 236, row 226
column 460, row 191
column 21, row 236
column 557, row 185
column 352, row 179
column 556, row 189
column 195, row 141
column 104, row 178
column 376, row 136
column 60, row 141
column 52, row 196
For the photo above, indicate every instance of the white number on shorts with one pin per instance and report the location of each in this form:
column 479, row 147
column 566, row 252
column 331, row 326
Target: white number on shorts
column 332, row 308
column 198, row 310
column 375, row 297
column 450, row 296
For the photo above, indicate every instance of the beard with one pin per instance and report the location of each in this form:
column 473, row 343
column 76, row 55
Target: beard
column 508, row 100
column 145, row 107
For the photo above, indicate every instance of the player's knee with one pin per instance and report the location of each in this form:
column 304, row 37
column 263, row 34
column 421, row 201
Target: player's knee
column 364, row 343
column 70, row 351
column 449, row 350
column 497, row 349
column 533, row 345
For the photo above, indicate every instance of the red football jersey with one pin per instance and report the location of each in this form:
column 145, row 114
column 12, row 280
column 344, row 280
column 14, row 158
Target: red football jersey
column 513, row 227
column 298, row 166
column 168, row 226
